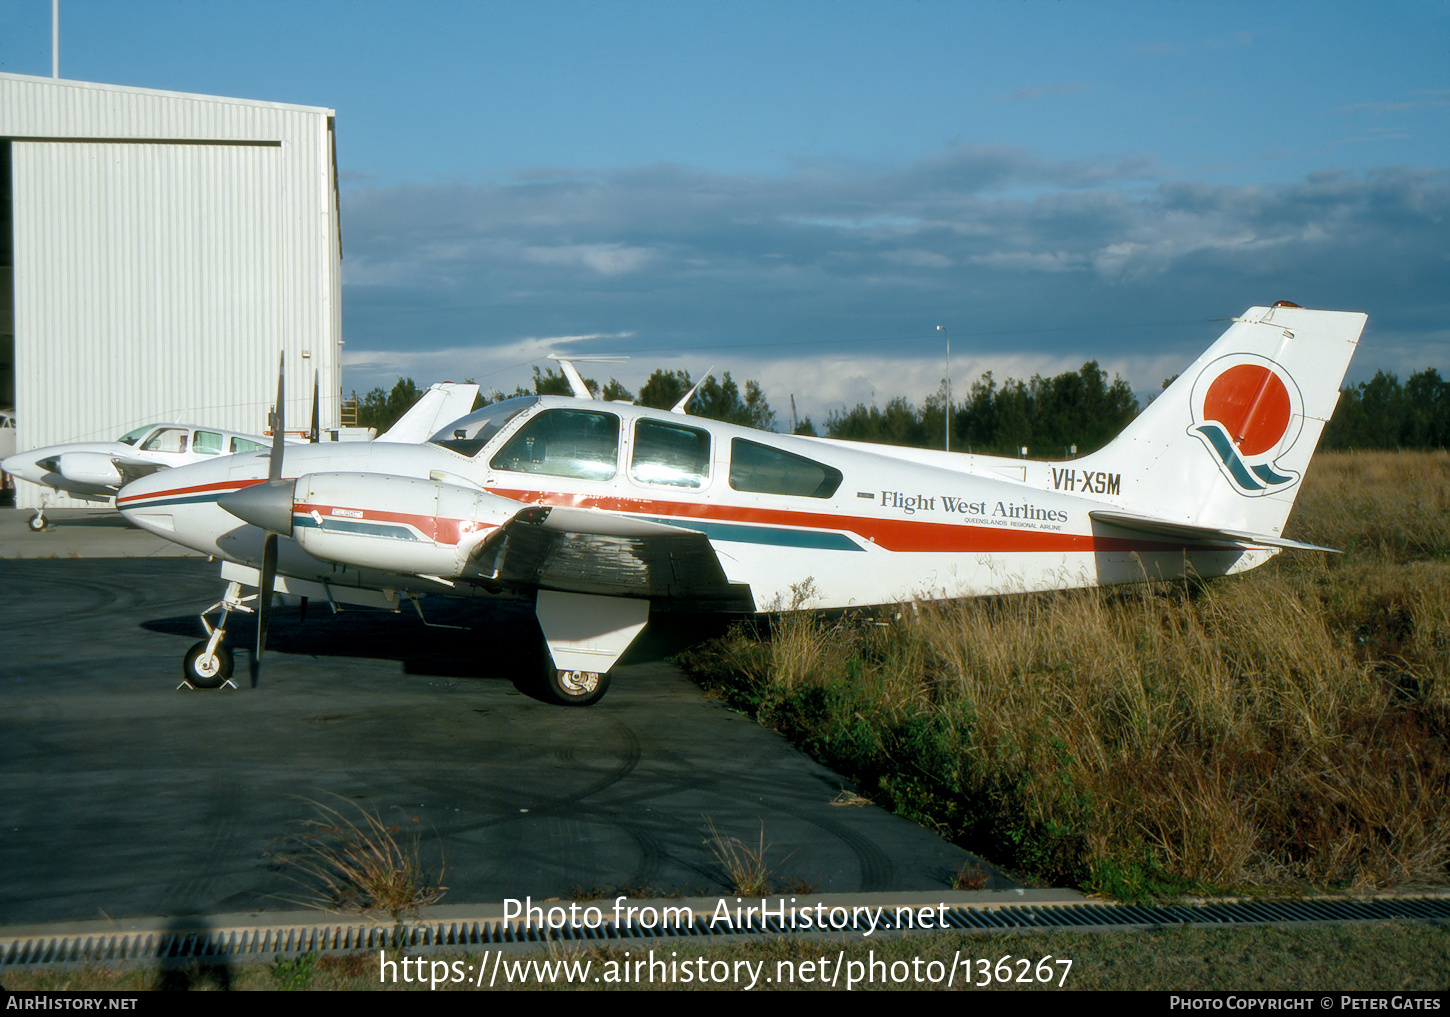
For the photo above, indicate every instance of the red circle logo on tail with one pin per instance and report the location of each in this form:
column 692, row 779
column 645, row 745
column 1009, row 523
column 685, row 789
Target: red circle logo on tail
column 1253, row 406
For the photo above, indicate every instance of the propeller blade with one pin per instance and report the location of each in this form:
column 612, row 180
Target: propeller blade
column 278, row 490
column 264, row 590
column 274, row 467
column 316, row 434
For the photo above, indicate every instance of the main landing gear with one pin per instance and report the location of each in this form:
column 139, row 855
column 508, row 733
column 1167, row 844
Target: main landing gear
column 584, row 636
column 208, row 664
column 574, row 688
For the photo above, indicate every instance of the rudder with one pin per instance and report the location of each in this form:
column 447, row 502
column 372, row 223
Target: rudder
column 1226, row 445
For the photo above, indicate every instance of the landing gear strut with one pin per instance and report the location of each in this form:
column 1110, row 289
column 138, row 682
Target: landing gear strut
column 208, row 664
column 37, row 521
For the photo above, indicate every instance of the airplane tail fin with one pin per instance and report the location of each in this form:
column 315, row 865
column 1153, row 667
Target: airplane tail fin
column 1223, row 449
column 443, row 403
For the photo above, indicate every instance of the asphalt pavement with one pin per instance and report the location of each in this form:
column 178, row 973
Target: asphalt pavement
column 125, row 796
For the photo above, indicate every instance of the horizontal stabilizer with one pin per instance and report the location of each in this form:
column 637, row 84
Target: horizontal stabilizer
column 1204, row 534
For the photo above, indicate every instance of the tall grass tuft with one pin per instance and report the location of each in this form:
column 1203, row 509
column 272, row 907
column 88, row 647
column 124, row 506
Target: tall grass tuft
column 360, row 865
column 1285, row 728
column 749, row 872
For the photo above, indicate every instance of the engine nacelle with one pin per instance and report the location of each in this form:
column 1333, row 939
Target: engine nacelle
column 89, row 468
column 391, row 523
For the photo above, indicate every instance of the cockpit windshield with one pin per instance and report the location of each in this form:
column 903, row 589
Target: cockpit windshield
column 467, row 435
column 131, row 437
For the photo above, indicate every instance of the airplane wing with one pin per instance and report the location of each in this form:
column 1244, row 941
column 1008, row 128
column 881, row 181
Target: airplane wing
column 1198, row 534
column 442, row 404
column 595, row 552
column 135, row 469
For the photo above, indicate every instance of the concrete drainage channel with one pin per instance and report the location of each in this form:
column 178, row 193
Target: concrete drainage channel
column 252, row 938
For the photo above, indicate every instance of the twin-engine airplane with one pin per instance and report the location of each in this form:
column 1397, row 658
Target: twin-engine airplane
column 601, row 512
column 96, row 470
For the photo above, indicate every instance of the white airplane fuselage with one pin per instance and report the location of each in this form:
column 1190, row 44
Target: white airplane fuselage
column 893, row 530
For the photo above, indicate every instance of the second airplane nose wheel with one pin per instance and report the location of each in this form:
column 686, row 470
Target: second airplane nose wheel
column 37, row 522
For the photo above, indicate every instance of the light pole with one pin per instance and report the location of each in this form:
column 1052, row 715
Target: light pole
column 948, row 428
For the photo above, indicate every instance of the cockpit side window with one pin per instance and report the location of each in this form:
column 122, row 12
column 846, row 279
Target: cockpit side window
column 761, row 469
column 170, row 439
column 583, row 444
column 668, row 453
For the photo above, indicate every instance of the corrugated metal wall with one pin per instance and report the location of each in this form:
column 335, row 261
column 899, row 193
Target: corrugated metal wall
column 167, row 247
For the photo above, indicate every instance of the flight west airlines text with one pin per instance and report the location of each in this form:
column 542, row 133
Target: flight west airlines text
column 910, row 504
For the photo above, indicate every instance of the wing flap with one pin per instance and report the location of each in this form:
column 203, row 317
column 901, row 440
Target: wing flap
column 604, row 553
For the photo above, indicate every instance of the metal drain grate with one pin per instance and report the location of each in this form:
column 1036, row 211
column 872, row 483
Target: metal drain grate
column 223, row 945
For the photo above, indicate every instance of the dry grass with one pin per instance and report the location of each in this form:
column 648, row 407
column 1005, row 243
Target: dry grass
column 1393, row 506
column 750, row 874
column 360, row 865
column 1282, row 728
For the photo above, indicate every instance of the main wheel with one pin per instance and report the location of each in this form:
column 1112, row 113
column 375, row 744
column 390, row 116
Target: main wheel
column 36, row 523
column 207, row 670
column 576, row 688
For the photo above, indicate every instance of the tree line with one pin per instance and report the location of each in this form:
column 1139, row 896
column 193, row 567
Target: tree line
column 1382, row 413
column 715, row 399
column 1070, row 414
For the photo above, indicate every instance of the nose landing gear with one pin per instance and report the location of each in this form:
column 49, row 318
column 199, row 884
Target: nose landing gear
column 208, row 664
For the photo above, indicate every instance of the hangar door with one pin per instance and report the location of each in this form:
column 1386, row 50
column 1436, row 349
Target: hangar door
column 148, row 284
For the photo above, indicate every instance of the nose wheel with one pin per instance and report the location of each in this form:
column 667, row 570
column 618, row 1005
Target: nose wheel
column 36, row 522
column 207, row 667
column 208, row 664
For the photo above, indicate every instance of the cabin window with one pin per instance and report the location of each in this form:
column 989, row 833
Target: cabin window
column 564, row 443
column 761, row 469
column 208, row 443
column 243, row 445
column 675, row 455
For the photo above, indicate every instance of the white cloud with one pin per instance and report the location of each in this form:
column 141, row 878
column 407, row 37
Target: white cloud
column 605, row 259
column 501, row 366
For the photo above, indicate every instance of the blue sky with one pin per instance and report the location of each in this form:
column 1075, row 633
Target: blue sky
column 801, row 192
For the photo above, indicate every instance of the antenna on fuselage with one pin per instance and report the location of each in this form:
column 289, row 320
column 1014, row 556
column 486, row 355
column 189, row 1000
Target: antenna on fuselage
column 679, row 407
column 566, row 364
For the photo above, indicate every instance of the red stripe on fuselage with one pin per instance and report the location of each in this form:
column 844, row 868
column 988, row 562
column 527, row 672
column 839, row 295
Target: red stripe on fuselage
column 435, row 528
column 890, row 534
column 220, row 487
column 899, row 535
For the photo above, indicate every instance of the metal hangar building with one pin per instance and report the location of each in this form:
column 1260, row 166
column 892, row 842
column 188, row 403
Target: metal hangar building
column 158, row 250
